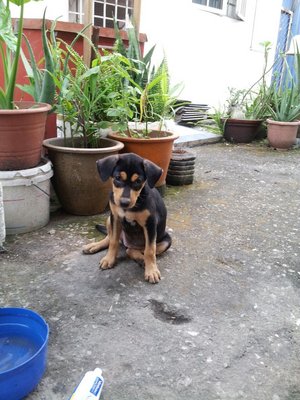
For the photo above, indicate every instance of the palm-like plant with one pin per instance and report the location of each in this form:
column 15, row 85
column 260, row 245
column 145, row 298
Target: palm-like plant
column 151, row 97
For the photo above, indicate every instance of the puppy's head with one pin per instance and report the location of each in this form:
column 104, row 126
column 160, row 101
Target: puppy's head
column 129, row 173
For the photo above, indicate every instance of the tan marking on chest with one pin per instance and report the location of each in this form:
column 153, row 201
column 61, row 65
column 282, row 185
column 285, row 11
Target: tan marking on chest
column 140, row 217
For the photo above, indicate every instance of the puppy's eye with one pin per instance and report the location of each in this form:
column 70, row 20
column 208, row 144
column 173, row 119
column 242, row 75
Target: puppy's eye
column 118, row 178
column 137, row 184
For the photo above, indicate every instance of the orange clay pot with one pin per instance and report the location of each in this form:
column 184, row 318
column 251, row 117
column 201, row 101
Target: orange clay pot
column 158, row 149
column 21, row 135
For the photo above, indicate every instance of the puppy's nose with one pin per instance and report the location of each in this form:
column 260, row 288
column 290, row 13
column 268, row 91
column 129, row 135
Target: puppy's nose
column 124, row 202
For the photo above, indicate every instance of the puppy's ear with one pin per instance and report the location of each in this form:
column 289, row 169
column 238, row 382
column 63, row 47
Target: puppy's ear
column 106, row 166
column 153, row 172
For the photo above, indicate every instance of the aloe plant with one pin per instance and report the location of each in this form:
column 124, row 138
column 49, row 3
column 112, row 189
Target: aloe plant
column 10, row 50
column 41, row 81
column 285, row 106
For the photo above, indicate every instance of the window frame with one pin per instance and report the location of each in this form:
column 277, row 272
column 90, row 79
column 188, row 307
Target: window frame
column 213, row 10
column 135, row 12
column 240, row 9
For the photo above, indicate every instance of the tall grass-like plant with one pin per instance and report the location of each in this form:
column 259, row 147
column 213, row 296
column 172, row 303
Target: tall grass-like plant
column 151, row 97
column 10, row 50
column 142, row 67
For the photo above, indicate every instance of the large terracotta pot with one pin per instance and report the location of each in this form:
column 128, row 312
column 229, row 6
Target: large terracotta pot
column 21, row 135
column 76, row 180
column 282, row 135
column 241, row 130
column 158, row 149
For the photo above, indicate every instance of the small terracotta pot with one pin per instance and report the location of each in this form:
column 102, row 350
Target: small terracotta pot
column 21, row 135
column 76, row 180
column 158, row 149
column 282, row 135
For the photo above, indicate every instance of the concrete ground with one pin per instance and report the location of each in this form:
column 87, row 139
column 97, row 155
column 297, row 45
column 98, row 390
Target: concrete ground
column 223, row 323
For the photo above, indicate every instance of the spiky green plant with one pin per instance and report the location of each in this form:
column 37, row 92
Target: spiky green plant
column 151, row 96
column 41, row 80
column 10, row 50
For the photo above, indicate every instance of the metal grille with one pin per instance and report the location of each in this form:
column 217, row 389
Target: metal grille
column 282, row 42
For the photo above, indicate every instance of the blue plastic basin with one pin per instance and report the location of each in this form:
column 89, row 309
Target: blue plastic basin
column 23, row 351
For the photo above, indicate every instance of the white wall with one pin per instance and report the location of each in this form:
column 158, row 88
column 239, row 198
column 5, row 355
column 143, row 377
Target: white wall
column 205, row 51
column 35, row 9
column 209, row 52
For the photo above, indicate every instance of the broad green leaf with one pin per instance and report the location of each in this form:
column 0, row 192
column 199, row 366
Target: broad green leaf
column 6, row 32
column 27, row 89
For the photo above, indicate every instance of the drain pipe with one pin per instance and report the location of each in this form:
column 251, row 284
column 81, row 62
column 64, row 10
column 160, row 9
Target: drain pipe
column 2, row 222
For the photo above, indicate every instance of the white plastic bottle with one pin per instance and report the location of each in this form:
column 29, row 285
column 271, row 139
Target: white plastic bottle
column 90, row 386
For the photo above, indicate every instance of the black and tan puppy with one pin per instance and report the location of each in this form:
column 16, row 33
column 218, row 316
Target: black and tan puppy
column 138, row 213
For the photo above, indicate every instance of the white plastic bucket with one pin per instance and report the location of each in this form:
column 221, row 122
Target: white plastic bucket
column 26, row 198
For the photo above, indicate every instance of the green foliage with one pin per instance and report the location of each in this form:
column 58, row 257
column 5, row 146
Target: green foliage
column 252, row 103
column 279, row 102
column 10, row 50
column 86, row 95
column 286, row 97
column 286, row 106
column 150, row 96
column 41, row 80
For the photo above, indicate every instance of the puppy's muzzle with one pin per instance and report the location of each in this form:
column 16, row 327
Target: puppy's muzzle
column 124, row 202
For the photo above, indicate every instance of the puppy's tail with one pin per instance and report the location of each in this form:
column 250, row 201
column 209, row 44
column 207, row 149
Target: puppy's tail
column 101, row 228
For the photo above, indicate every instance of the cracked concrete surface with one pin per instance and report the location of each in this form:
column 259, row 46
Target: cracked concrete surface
column 223, row 323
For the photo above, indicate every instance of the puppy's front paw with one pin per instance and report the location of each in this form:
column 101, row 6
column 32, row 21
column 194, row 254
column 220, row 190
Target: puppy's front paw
column 107, row 262
column 152, row 274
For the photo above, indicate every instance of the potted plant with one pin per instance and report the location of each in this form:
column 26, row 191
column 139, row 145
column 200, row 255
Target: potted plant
column 83, row 92
column 282, row 126
column 22, row 124
column 245, row 113
column 144, row 103
column 245, row 109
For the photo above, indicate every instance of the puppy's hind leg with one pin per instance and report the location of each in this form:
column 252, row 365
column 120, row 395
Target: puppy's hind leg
column 164, row 244
column 135, row 255
column 94, row 247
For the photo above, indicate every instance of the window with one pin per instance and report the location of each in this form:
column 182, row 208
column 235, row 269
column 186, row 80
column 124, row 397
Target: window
column 211, row 5
column 75, row 11
column 232, row 8
column 104, row 12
